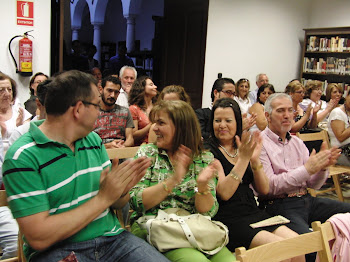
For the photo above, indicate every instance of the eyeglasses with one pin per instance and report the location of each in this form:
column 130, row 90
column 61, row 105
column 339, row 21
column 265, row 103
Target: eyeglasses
column 228, row 92
column 300, row 92
column 93, row 104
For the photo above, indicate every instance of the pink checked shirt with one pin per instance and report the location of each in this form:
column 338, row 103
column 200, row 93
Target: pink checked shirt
column 284, row 165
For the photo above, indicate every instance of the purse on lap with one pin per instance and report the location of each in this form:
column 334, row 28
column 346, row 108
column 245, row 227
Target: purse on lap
column 174, row 228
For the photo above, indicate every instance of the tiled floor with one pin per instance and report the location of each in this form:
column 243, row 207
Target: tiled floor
column 345, row 184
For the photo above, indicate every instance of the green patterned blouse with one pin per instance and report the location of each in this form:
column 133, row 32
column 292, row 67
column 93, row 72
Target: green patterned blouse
column 183, row 195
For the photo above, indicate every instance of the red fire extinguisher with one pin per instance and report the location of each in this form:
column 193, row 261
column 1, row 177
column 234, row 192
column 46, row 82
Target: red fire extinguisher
column 25, row 54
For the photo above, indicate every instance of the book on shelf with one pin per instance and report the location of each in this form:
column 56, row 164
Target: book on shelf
column 276, row 220
column 328, row 44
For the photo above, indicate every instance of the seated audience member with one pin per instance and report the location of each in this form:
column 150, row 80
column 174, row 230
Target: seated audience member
column 239, row 155
column 181, row 175
column 335, row 92
column 141, row 98
column 172, row 92
column 339, row 130
column 302, row 120
column 258, row 108
column 77, row 60
column 241, row 97
column 40, row 101
column 8, row 225
column 127, row 77
column 222, row 87
column 261, row 79
column 313, row 95
column 92, row 50
column 293, row 81
column 114, row 124
column 30, row 104
column 11, row 115
column 75, row 186
column 291, row 170
column 120, row 60
column 96, row 72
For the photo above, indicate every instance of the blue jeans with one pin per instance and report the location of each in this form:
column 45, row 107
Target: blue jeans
column 123, row 247
column 302, row 211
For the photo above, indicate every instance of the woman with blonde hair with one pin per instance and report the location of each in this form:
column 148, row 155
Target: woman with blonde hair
column 303, row 119
column 181, row 175
column 174, row 92
column 242, row 92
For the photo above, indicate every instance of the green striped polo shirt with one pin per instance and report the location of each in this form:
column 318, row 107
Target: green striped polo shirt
column 44, row 175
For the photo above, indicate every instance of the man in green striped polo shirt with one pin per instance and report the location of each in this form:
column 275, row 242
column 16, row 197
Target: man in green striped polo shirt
column 61, row 185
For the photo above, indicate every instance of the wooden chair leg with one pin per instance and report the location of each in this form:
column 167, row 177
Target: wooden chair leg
column 336, row 181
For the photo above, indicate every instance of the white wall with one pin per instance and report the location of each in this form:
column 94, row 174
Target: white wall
column 325, row 13
column 41, row 43
column 245, row 38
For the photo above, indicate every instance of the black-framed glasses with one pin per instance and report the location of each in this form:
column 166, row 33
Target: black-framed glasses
column 90, row 103
column 228, row 92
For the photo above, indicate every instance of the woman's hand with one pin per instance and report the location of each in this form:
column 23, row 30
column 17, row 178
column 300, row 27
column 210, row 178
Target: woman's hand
column 308, row 110
column 207, row 174
column 181, row 161
column 20, row 118
column 317, row 107
column 246, row 145
column 255, row 158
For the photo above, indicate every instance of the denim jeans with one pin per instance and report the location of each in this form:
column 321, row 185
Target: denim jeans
column 302, row 211
column 123, row 247
column 8, row 233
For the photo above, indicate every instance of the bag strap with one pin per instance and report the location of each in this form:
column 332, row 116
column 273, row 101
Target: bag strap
column 191, row 238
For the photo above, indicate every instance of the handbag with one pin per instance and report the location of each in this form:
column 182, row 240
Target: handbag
column 174, row 228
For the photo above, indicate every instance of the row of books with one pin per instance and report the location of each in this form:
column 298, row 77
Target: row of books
column 328, row 44
column 325, row 83
column 329, row 65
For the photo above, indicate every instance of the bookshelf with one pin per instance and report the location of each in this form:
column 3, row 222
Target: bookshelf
column 326, row 56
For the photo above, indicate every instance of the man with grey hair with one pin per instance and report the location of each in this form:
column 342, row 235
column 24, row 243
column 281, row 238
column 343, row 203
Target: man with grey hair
column 127, row 75
column 291, row 170
column 260, row 80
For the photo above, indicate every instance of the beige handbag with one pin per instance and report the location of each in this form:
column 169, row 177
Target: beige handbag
column 176, row 228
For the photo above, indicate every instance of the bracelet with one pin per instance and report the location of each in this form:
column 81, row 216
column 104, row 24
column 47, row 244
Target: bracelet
column 235, row 176
column 257, row 168
column 165, row 186
column 201, row 193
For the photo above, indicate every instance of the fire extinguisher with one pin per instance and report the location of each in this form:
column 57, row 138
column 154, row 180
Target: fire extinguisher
column 25, row 54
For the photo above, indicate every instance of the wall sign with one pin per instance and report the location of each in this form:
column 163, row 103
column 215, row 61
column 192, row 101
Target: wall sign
column 25, row 13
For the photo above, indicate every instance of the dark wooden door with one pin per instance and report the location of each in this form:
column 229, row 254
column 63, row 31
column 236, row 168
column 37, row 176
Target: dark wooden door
column 182, row 49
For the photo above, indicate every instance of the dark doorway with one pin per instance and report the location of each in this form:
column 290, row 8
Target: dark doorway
column 182, row 39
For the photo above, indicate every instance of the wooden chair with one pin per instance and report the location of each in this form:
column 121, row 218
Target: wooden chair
column 335, row 171
column 316, row 241
column 122, row 153
column 20, row 257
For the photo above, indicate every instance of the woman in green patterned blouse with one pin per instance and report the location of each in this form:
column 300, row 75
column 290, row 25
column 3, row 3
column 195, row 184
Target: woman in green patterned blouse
column 181, row 175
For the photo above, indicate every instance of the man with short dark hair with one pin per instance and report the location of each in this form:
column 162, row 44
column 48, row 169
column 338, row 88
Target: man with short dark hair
column 61, row 186
column 222, row 87
column 114, row 124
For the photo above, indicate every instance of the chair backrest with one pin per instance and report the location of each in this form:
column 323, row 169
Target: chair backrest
column 314, row 140
column 3, row 198
column 327, row 234
column 122, row 153
column 292, row 247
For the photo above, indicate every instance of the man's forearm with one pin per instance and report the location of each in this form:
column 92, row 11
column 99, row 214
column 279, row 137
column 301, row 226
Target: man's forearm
column 42, row 230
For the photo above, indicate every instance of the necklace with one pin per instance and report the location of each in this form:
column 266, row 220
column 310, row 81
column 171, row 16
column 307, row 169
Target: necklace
column 230, row 155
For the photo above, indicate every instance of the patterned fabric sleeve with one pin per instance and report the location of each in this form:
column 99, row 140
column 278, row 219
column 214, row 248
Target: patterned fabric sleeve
column 183, row 195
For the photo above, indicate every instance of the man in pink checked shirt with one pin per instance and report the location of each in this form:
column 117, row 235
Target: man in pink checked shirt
column 291, row 170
